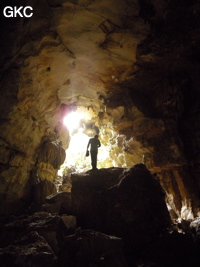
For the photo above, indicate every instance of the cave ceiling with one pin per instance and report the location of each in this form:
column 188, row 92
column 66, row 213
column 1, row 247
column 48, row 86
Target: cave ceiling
column 70, row 55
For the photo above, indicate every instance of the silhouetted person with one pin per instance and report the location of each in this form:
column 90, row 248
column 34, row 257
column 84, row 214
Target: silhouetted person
column 94, row 144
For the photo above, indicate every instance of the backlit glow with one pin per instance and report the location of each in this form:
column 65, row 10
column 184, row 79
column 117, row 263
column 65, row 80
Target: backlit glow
column 72, row 121
column 75, row 154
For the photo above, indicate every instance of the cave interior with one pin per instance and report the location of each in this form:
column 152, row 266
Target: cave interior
column 127, row 71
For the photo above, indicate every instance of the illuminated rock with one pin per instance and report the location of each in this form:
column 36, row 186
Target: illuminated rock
column 51, row 157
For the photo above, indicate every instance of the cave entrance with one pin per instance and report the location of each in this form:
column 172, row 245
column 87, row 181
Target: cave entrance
column 75, row 154
column 82, row 125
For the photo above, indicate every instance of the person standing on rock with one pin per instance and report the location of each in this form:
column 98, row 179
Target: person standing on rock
column 94, row 144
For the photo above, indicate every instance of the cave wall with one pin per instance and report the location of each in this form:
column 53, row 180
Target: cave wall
column 134, row 63
column 164, row 87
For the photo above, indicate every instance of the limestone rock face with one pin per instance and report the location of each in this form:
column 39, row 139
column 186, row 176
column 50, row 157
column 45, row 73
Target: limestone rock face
column 51, row 157
column 133, row 207
column 132, row 67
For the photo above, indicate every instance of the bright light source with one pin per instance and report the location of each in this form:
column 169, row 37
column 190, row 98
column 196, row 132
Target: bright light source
column 75, row 154
column 72, row 121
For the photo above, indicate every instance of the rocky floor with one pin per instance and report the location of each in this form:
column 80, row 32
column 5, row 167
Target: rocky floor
column 112, row 217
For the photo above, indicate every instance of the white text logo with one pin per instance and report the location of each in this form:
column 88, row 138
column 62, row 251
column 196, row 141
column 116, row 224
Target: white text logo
column 21, row 11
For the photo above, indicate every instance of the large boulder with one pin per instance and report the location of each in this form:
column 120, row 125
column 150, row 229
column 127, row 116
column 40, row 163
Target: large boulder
column 90, row 248
column 127, row 203
column 31, row 250
column 58, row 203
column 52, row 228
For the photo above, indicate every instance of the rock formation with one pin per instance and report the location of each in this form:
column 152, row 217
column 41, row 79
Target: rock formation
column 131, row 69
column 130, row 66
column 112, row 217
column 123, row 203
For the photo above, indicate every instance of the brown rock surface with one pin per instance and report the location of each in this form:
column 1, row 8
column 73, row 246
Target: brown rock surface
column 89, row 247
column 39, row 193
column 126, row 202
column 130, row 204
column 131, row 66
column 31, row 250
column 51, row 157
